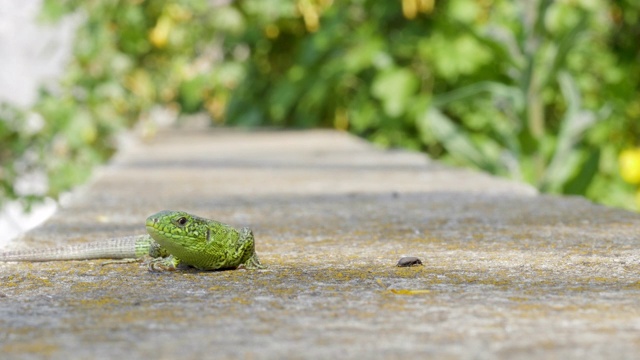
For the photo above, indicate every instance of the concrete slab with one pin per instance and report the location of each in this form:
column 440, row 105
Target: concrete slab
column 506, row 273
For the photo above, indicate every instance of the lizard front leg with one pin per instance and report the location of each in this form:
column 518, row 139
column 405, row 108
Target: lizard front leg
column 247, row 250
column 169, row 263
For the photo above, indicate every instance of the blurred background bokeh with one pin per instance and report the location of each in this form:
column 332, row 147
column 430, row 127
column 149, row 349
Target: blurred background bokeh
column 539, row 91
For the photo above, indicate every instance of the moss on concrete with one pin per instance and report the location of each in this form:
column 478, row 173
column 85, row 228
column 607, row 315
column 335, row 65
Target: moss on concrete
column 505, row 273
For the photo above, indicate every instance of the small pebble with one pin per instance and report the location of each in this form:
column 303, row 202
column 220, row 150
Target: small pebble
column 409, row 261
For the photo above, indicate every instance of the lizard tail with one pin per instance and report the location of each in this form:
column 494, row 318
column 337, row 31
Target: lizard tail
column 117, row 248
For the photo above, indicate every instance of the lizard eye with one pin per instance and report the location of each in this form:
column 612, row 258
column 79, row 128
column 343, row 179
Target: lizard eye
column 182, row 221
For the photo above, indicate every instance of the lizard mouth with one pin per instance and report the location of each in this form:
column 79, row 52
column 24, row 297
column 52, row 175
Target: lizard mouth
column 168, row 239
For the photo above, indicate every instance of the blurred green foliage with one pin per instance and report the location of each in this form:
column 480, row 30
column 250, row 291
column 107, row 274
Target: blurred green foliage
column 129, row 57
column 539, row 91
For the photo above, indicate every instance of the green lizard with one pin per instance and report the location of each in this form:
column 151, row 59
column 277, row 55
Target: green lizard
column 174, row 237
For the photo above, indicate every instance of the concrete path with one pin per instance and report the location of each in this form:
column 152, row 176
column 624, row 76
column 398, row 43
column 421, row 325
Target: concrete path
column 506, row 273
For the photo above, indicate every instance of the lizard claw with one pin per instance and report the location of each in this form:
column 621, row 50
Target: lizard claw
column 253, row 263
column 163, row 264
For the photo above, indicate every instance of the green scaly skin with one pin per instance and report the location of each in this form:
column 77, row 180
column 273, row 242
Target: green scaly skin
column 175, row 237
column 200, row 243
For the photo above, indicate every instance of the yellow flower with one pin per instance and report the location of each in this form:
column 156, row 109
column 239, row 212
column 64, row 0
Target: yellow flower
column 160, row 33
column 629, row 161
column 411, row 8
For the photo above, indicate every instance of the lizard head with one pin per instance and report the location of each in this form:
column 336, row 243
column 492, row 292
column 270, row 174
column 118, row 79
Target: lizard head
column 201, row 243
column 177, row 228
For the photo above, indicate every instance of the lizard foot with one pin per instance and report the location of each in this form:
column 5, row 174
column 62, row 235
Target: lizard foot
column 253, row 263
column 163, row 264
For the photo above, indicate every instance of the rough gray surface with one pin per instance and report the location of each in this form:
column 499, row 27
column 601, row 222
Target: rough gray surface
column 506, row 274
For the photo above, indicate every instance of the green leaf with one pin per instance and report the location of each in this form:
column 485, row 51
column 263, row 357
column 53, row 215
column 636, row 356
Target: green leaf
column 395, row 88
column 496, row 89
column 453, row 138
column 575, row 123
column 191, row 94
column 581, row 180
